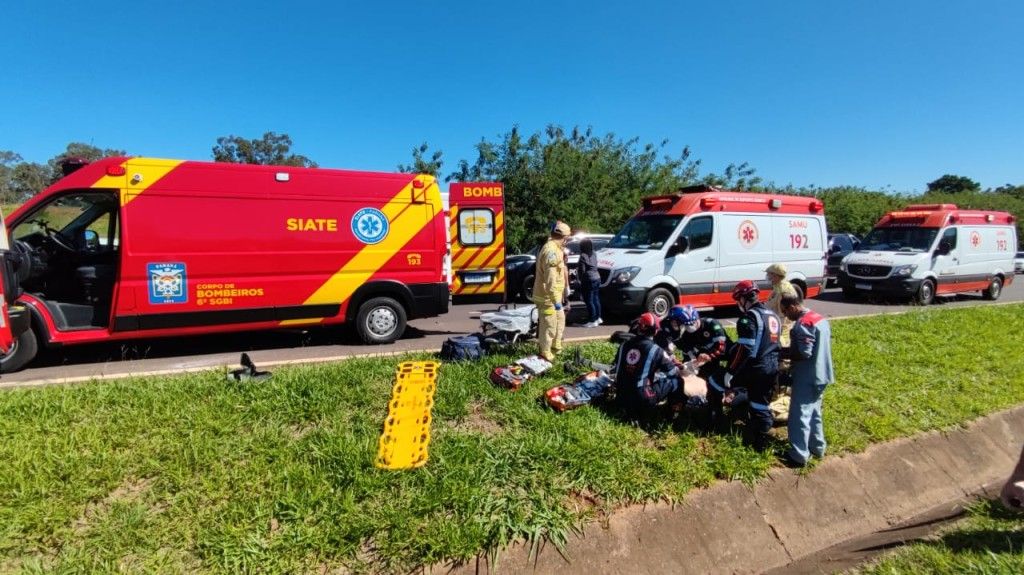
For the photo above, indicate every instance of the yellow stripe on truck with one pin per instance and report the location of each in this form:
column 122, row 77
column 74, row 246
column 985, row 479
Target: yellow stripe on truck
column 403, row 227
column 140, row 174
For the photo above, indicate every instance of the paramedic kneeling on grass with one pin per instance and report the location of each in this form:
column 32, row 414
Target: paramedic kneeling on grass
column 645, row 373
column 549, row 292
column 811, row 354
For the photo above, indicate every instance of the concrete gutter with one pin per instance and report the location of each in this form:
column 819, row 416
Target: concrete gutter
column 735, row 528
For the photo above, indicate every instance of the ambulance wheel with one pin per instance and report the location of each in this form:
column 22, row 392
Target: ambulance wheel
column 22, row 351
column 380, row 320
column 659, row 301
column 926, row 293
column 994, row 289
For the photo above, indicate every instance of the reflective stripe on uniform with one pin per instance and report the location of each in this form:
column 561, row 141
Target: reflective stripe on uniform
column 647, row 368
column 745, row 341
column 711, row 382
column 759, row 406
column 758, row 334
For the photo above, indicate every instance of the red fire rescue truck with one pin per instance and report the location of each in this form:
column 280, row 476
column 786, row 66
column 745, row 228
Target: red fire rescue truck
column 141, row 247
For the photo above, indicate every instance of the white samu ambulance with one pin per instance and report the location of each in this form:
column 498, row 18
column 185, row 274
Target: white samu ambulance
column 692, row 247
column 933, row 249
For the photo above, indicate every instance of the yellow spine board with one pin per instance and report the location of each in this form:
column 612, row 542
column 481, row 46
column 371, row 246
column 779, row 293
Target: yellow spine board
column 403, row 445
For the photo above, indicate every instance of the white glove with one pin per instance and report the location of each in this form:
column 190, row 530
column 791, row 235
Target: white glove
column 727, row 381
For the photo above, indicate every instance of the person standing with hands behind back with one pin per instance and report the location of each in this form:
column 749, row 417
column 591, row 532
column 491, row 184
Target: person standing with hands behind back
column 811, row 352
column 549, row 287
column 590, row 281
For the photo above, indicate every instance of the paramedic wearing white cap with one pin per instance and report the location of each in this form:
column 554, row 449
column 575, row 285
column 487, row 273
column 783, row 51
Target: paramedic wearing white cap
column 776, row 274
column 549, row 291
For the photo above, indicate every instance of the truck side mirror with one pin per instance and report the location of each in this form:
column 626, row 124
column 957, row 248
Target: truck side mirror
column 682, row 244
column 92, row 239
column 943, row 248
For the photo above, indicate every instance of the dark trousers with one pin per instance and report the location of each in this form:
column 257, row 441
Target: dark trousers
column 760, row 387
column 591, row 297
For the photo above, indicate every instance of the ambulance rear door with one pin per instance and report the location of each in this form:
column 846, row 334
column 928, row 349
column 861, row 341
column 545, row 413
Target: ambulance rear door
column 477, row 235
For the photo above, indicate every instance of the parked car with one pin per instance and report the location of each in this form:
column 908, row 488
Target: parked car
column 520, row 269
column 839, row 246
column 1018, row 263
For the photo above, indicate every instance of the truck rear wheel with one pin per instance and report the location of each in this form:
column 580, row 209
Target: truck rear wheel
column 380, row 320
column 23, row 351
column 994, row 289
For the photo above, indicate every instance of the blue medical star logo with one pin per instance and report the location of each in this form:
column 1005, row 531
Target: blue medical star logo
column 370, row 225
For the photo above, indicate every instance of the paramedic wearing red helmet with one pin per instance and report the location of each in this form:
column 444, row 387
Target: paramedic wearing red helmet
column 549, row 287
column 754, row 363
column 645, row 374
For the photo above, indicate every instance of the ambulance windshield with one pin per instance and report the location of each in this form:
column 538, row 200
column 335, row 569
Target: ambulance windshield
column 645, row 232
column 899, row 239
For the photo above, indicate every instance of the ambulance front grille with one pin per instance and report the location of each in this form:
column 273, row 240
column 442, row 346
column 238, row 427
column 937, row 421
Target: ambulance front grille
column 869, row 271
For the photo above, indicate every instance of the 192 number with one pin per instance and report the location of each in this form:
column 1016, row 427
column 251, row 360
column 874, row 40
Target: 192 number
column 799, row 241
column 1002, row 246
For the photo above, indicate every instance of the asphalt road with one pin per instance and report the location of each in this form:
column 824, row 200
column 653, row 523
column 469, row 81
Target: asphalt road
column 268, row 349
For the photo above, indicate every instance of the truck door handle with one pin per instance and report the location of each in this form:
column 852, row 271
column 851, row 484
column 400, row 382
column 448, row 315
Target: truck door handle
column 709, row 259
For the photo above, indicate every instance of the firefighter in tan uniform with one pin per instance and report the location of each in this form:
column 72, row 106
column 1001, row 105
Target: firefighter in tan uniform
column 549, row 291
column 780, row 288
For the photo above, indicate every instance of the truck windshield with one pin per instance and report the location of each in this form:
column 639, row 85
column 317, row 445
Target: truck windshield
column 899, row 239
column 645, row 232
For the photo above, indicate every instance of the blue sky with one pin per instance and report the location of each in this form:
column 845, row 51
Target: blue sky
column 881, row 94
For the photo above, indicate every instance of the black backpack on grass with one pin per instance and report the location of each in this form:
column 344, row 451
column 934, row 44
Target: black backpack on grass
column 464, row 347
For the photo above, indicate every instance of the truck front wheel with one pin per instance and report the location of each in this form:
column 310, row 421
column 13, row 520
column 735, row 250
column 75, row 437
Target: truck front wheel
column 926, row 293
column 659, row 301
column 23, row 351
column 380, row 320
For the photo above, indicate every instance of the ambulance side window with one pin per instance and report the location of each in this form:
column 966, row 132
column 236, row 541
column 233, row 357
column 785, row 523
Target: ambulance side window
column 699, row 232
column 476, row 227
column 949, row 236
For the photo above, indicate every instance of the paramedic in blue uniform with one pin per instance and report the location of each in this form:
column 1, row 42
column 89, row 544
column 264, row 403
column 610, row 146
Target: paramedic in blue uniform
column 754, row 362
column 703, row 340
column 811, row 354
column 645, row 374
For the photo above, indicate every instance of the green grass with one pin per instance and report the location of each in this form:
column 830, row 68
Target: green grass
column 989, row 541
column 194, row 473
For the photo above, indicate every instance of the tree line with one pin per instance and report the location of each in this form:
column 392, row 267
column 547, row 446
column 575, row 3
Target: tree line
column 592, row 181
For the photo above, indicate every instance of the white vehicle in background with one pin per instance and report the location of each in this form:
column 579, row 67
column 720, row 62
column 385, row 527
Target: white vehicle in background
column 933, row 249
column 693, row 247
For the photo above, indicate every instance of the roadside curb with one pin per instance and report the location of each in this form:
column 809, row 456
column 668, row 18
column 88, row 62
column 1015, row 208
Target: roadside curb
column 734, row 528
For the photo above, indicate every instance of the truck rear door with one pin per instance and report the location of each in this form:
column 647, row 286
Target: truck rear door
column 477, row 234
